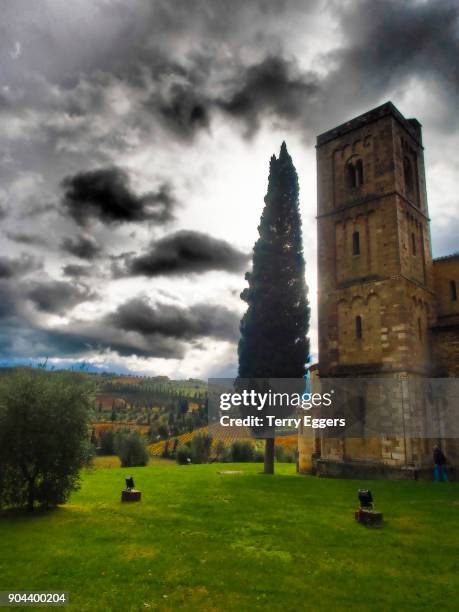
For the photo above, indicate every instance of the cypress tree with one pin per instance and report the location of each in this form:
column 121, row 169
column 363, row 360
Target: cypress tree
column 274, row 342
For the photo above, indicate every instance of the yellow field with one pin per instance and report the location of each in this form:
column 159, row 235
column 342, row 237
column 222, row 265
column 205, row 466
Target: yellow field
column 102, row 426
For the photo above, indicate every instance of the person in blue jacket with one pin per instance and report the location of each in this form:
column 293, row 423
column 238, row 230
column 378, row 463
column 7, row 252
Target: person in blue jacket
column 440, row 464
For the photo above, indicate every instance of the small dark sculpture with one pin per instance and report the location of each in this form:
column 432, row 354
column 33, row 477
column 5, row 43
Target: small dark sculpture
column 130, row 493
column 366, row 513
column 365, row 499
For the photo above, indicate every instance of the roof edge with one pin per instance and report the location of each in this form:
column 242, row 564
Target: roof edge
column 412, row 126
column 446, row 257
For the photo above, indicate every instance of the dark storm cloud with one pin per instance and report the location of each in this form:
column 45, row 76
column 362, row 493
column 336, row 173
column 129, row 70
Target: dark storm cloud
column 384, row 43
column 106, row 194
column 272, row 87
column 186, row 111
column 77, row 271
column 13, row 267
column 58, row 296
column 23, row 336
column 181, row 66
column 9, row 300
column 387, row 42
column 184, row 252
column 233, row 60
column 79, row 339
column 392, row 37
column 197, row 321
column 83, row 247
column 25, row 238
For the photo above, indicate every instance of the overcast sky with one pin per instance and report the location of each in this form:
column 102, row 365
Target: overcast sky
column 134, row 151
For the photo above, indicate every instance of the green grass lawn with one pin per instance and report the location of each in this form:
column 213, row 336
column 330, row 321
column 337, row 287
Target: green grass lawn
column 200, row 540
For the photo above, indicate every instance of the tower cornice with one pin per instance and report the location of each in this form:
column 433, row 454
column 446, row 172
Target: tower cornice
column 412, row 126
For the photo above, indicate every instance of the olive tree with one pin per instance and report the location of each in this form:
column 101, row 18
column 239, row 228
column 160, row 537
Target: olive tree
column 131, row 448
column 44, row 435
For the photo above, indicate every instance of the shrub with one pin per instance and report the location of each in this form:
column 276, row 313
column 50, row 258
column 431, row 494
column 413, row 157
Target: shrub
column 183, row 454
column 107, row 443
column 290, row 455
column 131, row 449
column 220, row 451
column 174, row 447
column 200, row 446
column 285, row 454
column 259, row 456
column 242, row 451
column 165, row 452
column 44, row 435
column 279, row 453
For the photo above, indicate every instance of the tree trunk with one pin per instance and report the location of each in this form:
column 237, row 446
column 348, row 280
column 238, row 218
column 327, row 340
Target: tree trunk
column 269, row 455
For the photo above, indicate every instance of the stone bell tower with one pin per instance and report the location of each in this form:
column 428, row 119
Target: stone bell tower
column 375, row 272
column 376, row 288
column 388, row 315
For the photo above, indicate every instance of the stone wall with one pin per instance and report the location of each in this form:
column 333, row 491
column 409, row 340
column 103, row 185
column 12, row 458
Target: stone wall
column 445, row 331
column 446, row 270
column 446, row 350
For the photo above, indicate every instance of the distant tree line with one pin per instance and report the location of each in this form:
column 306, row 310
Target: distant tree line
column 199, row 450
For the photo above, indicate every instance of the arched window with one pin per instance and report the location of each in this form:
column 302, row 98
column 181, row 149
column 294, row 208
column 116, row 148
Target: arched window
column 408, row 175
column 359, row 172
column 453, row 290
column 413, row 244
column 354, row 171
column 358, row 327
column 351, row 175
column 356, row 243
